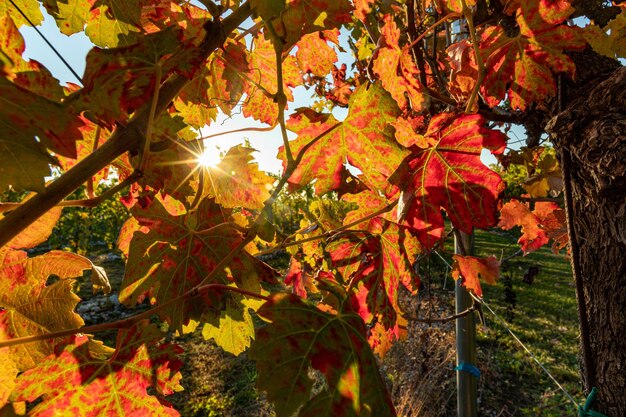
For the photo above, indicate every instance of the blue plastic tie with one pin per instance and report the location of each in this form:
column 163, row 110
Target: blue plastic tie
column 584, row 410
column 468, row 367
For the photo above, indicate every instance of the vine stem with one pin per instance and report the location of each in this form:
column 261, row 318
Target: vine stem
column 467, row 13
column 432, row 27
column 88, row 202
column 330, row 233
column 463, row 313
column 127, row 322
column 280, row 97
column 151, row 117
column 244, row 129
column 123, row 139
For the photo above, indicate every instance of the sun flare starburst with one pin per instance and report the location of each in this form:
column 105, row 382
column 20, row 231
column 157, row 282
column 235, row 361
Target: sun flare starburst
column 209, row 158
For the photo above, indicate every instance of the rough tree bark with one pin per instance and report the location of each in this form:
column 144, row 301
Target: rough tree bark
column 591, row 133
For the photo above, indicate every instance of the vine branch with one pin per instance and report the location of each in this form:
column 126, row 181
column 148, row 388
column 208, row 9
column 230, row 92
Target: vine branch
column 467, row 13
column 87, row 202
column 129, row 321
column 330, row 233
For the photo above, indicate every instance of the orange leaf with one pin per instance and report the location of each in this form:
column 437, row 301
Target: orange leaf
column 471, row 270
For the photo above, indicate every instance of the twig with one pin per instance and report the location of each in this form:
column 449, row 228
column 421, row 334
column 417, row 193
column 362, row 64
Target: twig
column 330, row 233
column 447, row 319
column 244, row 129
column 151, row 117
column 432, row 27
column 280, row 97
column 88, row 202
column 467, row 13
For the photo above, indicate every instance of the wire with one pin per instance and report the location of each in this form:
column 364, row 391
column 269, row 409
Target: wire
column 503, row 323
column 47, row 42
column 517, row 339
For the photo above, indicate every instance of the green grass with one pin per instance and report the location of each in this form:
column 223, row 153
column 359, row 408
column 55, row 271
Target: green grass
column 544, row 318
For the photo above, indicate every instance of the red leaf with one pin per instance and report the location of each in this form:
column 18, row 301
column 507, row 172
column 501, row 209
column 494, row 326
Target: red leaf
column 114, row 386
column 471, row 270
column 396, row 68
column 450, row 175
column 374, row 263
column 364, row 139
column 523, row 67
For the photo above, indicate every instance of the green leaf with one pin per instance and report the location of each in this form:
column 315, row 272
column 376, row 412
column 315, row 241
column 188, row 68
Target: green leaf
column 301, row 17
column 267, row 9
column 235, row 329
column 364, row 139
column 29, row 7
column 302, row 337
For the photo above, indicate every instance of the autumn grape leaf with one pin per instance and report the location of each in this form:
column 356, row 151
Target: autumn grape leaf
column 611, row 39
column 30, row 125
column 315, row 55
column 362, row 8
column 301, row 337
column 107, row 23
column 364, row 139
column 301, row 17
column 113, row 386
column 396, row 68
column 267, row 9
column 235, row 329
column 37, row 232
column 374, row 263
column 8, row 371
column 218, row 84
column 553, row 221
column 28, row 306
column 262, row 80
column 523, row 66
column 515, row 213
column 450, row 175
column 226, row 83
column 119, row 80
column 457, row 5
column 178, row 253
column 471, row 270
column 30, row 74
column 300, row 277
column 546, row 178
column 237, row 182
column 29, row 7
column 463, row 70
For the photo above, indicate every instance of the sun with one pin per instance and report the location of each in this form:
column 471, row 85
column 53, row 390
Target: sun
column 209, row 158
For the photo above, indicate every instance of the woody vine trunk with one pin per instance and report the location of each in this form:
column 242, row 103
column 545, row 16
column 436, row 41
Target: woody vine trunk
column 591, row 134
